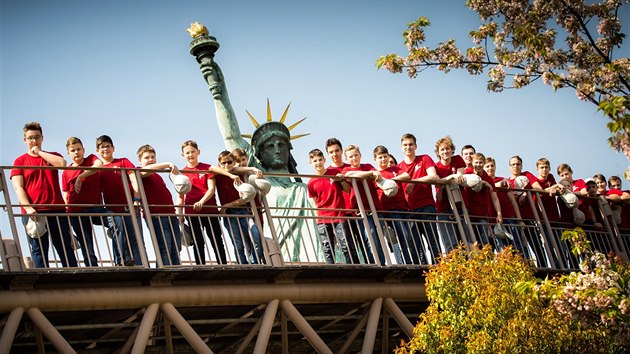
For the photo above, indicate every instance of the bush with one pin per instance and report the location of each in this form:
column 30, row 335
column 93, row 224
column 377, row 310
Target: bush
column 482, row 302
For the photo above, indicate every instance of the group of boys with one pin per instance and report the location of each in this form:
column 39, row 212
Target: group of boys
column 101, row 194
column 408, row 215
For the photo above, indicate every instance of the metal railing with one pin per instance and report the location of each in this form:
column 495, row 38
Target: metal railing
column 274, row 233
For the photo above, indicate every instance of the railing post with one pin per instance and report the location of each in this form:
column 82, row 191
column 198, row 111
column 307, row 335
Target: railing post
column 134, row 220
column 9, row 208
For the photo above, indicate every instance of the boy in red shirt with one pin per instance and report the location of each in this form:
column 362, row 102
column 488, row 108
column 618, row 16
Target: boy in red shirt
column 128, row 247
column 41, row 186
column 407, row 248
column 577, row 186
column 160, row 202
column 421, row 168
column 357, row 169
column 84, row 187
column 327, row 195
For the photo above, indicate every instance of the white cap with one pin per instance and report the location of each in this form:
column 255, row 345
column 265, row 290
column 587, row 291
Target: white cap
column 186, row 233
column 501, row 232
column 578, row 216
column 260, row 183
column 36, row 227
column 182, row 183
column 520, row 182
column 473, row 181
column 389, row 187
column 246, row 191
column 570, row 199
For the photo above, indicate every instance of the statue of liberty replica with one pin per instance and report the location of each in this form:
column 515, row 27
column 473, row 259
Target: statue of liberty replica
column 270, row 151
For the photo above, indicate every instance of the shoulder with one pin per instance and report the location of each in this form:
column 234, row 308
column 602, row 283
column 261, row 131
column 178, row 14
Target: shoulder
column 458, row 161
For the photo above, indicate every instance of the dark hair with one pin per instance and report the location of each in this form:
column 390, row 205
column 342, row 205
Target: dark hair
column 468, row 147
column 380, row 149
column 333, row 141
column 103, row 139
column 315, row 153
column 32, row 126
column 190, row 143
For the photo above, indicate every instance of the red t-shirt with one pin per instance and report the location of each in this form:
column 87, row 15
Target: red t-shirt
column 41, row 185
column 157, row 195
column 226, row 191
column 90, row 188
column 336, row 170
column 199, row 182
column 397, row 202
column 507, row 210
column 442, row 170
column 524, row 206
column 371, row 185
column 566, row 214
column 478, row 203
column 112, row 185
column 548, row 201
column 329, row 195
column 421, row 194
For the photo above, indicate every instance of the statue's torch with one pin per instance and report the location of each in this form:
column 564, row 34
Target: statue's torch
column 203, row 47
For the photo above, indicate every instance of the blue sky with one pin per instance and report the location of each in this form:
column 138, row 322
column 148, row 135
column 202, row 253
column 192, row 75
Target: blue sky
column 122, row 68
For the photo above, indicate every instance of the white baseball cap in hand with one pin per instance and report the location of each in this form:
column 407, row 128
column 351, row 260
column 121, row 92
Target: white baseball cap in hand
column 36, row 227
column 520, row 182
column 389, row 186
column 473, row 181
column 578, row 216
column 246, row 191
column 260, row 183
column 181, row 182
column 570, row 199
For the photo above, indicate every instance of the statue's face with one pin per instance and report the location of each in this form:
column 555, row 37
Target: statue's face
column 274, row 154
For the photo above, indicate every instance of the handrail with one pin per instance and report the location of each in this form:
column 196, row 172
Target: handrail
column 277, row 226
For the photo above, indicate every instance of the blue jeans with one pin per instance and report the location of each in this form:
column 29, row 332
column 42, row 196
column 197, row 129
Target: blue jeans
column 368, row 244
column 124, row 241
column 59, row 232
column 256, row 255
column 238, row 228
column 410, row 249
column 329, row 234
column 213, row 230
column 450, row 235
column 428, row 227
column 168, row 238
column 82, row 226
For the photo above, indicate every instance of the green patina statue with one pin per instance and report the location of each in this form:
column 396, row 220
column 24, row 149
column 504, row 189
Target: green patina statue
column 270, row 151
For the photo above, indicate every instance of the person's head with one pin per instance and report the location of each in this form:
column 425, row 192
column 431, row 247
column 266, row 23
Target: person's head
column 467, row 153
column 591, row 187
column 381, row 156
column 444, row 148
column 272, row 146
column 408, row 144
column 490, row 166
column 105, row 147
column 543, row 166
column 353, row 155
column 146, row 155
column 600, row 181
column 241, row 157
column 478, row 160
column 516, row 165
column 33, row 135
column 226, row 160
column 614, row 182
column 392, row 161
column 190, row 152
column 565, row 171
column 75, row 149
column 334, row 149
column 317, row 160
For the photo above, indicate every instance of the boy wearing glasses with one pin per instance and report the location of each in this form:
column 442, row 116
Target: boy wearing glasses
column 233, row 204
column 124, row 241
column 41, row 186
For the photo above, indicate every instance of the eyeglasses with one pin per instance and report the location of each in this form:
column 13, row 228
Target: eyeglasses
column 33, row 138
column 229, row 162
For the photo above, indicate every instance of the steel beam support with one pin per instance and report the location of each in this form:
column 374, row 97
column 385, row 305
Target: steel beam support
column 49, row 331
column 10, row 327
column 266, row 326
column 144, row 330
column 355, row 333
column 303, row 326
column 185, row 329
column 248, row 338
column 372, row 326
column 399, row 316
